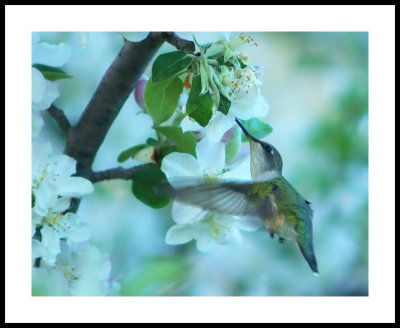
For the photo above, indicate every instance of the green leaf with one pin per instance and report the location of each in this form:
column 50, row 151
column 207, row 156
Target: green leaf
column 52, row 73
column 162, row 98
column 233, row 145
column 242, row 65
column 152, row 142
column 207, row 46
column 170, row 64
column 184, row 142
column 144, row 182
column 130, row 153
column 224, row 105
column 199, row 107
column 155, row 277
column 257, row 128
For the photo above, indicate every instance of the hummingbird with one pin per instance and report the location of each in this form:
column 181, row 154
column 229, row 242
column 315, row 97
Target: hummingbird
column 269, row 196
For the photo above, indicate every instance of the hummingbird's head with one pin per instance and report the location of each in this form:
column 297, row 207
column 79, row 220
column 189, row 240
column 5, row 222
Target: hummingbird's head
column 264, row 157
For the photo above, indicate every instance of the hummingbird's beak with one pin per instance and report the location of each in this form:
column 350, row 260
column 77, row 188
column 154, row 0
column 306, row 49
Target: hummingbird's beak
column 248, row 135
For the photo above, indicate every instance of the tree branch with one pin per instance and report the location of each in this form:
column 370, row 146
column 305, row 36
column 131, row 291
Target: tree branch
column 116, row 173
column 84, row 139
column 60, row 118
column 175, row 40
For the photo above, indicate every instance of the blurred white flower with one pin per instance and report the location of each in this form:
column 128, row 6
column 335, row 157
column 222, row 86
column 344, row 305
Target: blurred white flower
column 51, row 177
column 49, row 282
column 194, row 222
column 85, row 272
column 210, row 231
column 210, row 163
column 44, row 92
column 243, row 88
column 88, row 272
column 54, row 227
column 234, row 43
column 84, row 37
column 52, row 188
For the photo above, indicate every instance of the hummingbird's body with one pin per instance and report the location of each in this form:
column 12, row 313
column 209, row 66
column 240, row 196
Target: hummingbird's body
column 269, row 196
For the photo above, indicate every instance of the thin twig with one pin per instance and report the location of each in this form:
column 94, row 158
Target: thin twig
column 115, row 173
column 173, row 39
column 60, row 118
column 85, row 138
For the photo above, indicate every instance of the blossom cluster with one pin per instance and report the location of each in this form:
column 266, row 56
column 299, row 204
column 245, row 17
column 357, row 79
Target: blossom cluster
column 225, row 75
column 64, row 263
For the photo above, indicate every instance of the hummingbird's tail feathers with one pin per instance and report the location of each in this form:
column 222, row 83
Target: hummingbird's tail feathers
column 308, row 253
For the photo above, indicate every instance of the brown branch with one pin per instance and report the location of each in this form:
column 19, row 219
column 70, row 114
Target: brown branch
column 60, row 118
column 175, row 40
column 116, row 173
column 84, row 139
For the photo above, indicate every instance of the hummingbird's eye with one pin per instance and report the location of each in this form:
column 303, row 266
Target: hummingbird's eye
column 268, row 148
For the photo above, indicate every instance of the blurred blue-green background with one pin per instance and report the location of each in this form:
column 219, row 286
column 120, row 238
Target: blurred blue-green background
column 317, row 88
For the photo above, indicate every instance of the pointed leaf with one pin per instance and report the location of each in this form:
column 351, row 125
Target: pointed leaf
column 184, row 142
column 199, row 107
column 256, row 128
column 233, row 145
column 170, row 64
column 144, row 182
column 130, row 153
column 162, row 98
column 224, row 105
column 52, row 73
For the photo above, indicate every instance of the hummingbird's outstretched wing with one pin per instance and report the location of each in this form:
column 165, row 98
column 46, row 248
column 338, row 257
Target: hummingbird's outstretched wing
column 232, row 198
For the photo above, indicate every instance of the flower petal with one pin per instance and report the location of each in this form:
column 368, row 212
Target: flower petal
column 40, row 157
column 49, row 283
column 78, row 231
column 241, row 170
column 210, row 156
column 182, row 213
column 189, row 124
column 204, row 241
column 50, row 54
column 38, row 86
column 73, row 186
column 179, row 234
column 37, row 123
column 45, row 197
column 62, row 165
column 180, row 165
column 253, row 105
column 38, row 250
column 84, row 39
column 62, row 204
column 49, row 96
column 248, row 223
column 51, row 241
column 219, row 124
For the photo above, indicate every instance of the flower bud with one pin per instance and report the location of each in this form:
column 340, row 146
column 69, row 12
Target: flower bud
column 138, row 91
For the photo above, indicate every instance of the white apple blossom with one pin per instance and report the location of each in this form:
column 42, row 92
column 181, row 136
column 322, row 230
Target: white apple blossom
column 193, row 222
column 44, row 92
column 51, row 178
column 242, row 86
column 234, row 43
column 84, row 272
column 52, row 188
